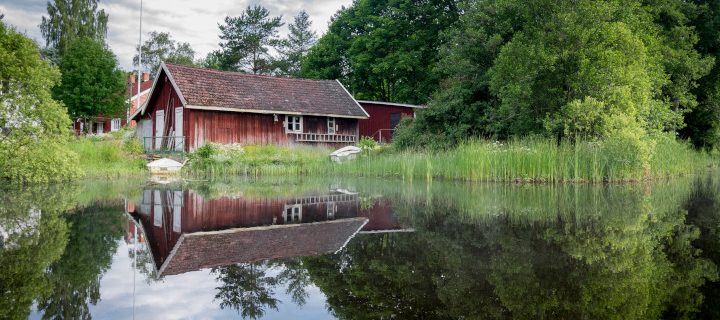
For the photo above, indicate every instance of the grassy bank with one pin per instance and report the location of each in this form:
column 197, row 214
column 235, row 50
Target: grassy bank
column 527, row 160
column 109, row 156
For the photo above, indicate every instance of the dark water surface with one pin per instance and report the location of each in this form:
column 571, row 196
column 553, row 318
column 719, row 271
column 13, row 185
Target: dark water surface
column 361, row 249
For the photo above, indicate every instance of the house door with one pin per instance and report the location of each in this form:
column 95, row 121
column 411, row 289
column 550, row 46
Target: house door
column 179, row 137
column 159, row 128
column 394, row 121
column 99, row 128
column 146, row 133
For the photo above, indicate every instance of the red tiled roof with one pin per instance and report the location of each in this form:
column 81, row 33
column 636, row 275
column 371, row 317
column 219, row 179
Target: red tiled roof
column 201, row 250
column 246, row 92
column 143, row 87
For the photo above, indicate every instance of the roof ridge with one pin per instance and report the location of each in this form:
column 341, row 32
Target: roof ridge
column 243, row 74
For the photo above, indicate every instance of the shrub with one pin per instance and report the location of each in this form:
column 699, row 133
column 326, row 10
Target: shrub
column 367, row 144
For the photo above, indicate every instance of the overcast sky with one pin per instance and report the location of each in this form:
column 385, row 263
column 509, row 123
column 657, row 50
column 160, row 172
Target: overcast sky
column 193, row 21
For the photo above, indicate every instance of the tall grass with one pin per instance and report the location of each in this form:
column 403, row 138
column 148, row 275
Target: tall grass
column 531, row 160
column 107, row 157
column 535, row 160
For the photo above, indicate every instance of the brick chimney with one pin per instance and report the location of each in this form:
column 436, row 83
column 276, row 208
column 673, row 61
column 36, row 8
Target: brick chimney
column 145, row 76
column 131, row 78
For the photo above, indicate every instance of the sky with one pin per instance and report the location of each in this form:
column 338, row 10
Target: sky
column 192, row 21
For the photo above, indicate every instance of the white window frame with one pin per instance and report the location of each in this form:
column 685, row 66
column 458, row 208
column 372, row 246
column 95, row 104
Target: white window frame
column 331, row 210
column 295, row 215
column 295, row 122
column 99, row 128
column 115, row 124
column 331, row 125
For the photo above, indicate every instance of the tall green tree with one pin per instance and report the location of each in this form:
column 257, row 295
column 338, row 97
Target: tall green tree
column 294, row 49
column 68, row 20
column 703, row 122
column 247, row 39
column 588, row 69
column 34, row 128
column 92, row 84
column 384, row 50
column 159, row 47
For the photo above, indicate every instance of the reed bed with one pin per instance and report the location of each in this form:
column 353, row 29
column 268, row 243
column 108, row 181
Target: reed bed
column 529, row 160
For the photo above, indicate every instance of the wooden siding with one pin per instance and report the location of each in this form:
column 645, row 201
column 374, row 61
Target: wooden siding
column 380, row 119
column 203, row 126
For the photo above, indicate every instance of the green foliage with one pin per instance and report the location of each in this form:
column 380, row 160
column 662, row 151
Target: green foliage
column 109, row 157
column 161, row 47
column 383, row 50
column 36, row 237
column 33, row 126
column 219, row 160
column 367, row 144
column 703, row 121
column 247, row 40
column 70, row 20
column 91, row 82
column 587, row 69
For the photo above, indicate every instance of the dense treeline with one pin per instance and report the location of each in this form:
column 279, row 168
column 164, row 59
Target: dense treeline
column 592, row 70
column 384, row 50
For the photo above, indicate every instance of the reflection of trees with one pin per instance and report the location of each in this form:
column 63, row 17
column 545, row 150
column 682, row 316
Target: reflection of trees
column 294, row 275
column 250, row 288
column 94, row 234
column 703, row 207
column 35, row 237
column 621, row 252
column 144, row 263
column 247, row 288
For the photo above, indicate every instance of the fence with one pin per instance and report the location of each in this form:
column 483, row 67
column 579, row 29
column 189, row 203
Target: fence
column 165, row 144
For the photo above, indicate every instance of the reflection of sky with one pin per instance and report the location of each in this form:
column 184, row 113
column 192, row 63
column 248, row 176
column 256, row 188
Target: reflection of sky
column 190, row 295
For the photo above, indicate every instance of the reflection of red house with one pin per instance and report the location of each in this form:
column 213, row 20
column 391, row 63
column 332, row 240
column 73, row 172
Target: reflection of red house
column 186, row 231
column 384, row 117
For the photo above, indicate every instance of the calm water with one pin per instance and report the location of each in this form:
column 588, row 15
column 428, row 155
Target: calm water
column 316, row 249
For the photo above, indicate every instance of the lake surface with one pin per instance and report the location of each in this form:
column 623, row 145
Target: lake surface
column 360, row 249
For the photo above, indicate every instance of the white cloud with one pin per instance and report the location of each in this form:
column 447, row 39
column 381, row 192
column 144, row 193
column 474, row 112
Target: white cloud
column 192, row 21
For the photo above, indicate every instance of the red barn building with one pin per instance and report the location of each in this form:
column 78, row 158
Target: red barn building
column 384, row 117
column 189, row 107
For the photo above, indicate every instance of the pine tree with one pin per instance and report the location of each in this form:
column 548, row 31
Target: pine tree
column 294, row 49
column 248, row 38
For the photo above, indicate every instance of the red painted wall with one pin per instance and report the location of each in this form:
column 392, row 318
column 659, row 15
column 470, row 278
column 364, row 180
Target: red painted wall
column 203, row 126
column 380, row 119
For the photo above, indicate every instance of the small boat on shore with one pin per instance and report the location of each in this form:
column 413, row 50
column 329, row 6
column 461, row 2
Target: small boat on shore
column 164, row 166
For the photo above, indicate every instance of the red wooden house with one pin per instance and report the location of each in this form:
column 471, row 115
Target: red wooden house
column 384, row 117
column 102, row 124
column 189, row 107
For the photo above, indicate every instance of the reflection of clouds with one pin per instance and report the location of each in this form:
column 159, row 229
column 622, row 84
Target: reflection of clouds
column 189, row 295
column 190, row 21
